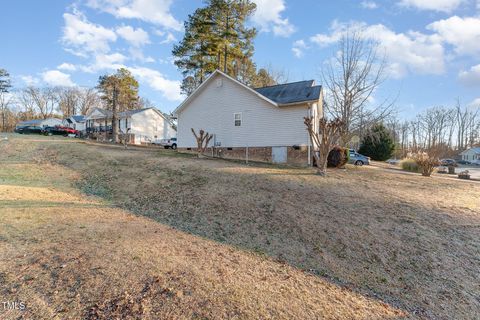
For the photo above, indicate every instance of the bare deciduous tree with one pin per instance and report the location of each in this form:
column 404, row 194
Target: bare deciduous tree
column 203, row 139
column 88, row 99
column 5, row 111
column 427, row 159
column 328, row 133
column 351, row 78
column 68, row 100
column 40, row 101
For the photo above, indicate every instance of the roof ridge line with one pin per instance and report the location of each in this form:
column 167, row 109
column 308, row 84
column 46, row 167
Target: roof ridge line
column 284, row 84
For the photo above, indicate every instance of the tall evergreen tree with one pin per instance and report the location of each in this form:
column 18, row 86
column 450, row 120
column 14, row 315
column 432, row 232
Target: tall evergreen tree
column 120, row 93
column 216, row 37
column 378, row 143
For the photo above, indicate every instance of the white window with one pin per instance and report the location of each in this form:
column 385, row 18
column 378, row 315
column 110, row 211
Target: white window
column 238, row 119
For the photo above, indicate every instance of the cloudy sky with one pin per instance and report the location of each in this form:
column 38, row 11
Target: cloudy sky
column 433, row 46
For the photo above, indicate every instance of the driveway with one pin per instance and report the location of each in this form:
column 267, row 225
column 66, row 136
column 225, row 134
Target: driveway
column 474, row 170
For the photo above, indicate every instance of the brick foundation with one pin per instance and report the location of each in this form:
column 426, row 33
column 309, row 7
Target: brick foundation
column 295, row 156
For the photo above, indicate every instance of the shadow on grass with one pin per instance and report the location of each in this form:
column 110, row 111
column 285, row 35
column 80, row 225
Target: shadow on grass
column 382, row 247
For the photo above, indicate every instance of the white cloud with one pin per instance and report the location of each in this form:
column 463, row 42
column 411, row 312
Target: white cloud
column 475, row 103
column 169, row 39
column 471, row 77
column 410, row 52
column 136, row 37
column 299, row 47
column 434, row 5
column 30, row 80
column 153, row 11
column 462, row 33
column 84, row 36
column 102, row 61
column 67, row 66
column 268, row 17
column 57, row 78
column 169, row 88
column 369, row 5
column 137, row 54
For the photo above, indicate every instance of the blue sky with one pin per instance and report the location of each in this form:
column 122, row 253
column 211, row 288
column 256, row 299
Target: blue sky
column 433, row 46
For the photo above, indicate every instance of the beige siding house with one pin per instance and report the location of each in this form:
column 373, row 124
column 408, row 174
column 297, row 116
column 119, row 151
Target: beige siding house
column 265, row 124
column 145, row 125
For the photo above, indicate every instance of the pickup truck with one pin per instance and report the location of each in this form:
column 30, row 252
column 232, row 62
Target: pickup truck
column 166, row 143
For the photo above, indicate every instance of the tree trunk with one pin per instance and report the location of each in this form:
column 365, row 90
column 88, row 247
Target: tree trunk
column 114, row 116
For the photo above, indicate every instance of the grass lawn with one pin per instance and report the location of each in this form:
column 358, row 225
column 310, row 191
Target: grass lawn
column 99, row 232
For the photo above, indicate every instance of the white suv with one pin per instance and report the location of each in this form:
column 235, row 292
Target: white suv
column 166, row 143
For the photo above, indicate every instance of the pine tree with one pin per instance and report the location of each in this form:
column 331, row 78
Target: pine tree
column 378, row 144
column 120, row 93
column 216, row 37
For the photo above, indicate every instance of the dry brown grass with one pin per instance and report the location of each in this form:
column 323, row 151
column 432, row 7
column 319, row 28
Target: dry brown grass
column 367, row 236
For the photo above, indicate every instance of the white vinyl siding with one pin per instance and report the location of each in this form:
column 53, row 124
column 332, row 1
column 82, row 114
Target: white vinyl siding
column 149, row 124
column 262, row 124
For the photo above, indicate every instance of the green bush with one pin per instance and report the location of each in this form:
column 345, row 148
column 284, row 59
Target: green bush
column 378, row 144
column 410, row 165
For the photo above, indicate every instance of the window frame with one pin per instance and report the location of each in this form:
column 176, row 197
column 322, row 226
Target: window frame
column 235, row 119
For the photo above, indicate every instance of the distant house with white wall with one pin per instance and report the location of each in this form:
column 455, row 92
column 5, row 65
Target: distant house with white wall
column 144, row 125
column 77, row 122
column 472, row 154
column 49, row 122
column 264, row 124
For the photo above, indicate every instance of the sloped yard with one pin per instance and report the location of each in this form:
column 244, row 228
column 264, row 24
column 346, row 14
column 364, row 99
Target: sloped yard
column 213, row 239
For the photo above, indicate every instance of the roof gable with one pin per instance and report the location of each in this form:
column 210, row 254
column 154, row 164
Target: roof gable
column 209, row 80
column 475, row 150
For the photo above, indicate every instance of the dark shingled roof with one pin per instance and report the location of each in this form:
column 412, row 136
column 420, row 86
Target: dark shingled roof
column 79, row 118
column 291, row 93
column 30, row 122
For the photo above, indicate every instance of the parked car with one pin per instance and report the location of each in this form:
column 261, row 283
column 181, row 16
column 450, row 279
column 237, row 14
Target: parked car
column 59, row 130
column 29, row 130
column 358, row 159
column 166, row 143
column 448, row 162
column 393, row 161
column 475, row 162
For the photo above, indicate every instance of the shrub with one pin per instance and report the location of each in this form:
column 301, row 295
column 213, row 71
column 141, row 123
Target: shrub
column 337, row 157
column 410, row 165
column 426, row 161
column 378, row 144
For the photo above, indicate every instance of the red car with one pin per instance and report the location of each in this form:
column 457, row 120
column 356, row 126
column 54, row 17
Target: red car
column 59, row 130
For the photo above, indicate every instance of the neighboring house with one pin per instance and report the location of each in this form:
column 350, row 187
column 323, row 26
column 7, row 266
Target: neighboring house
column 50, row 122
column 75, row 122
column 472, row 154
column 264, row 124
column 145, row 124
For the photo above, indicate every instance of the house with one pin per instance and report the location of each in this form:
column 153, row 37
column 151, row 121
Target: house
column 144, row 125
column 49, row 122
column 75, row 122
column 472, row 154
column 264, row 124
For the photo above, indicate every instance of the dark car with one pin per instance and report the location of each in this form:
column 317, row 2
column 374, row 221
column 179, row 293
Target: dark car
column 29, row 130
column 463, row 162
column 59, row 131
column 448, row 162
